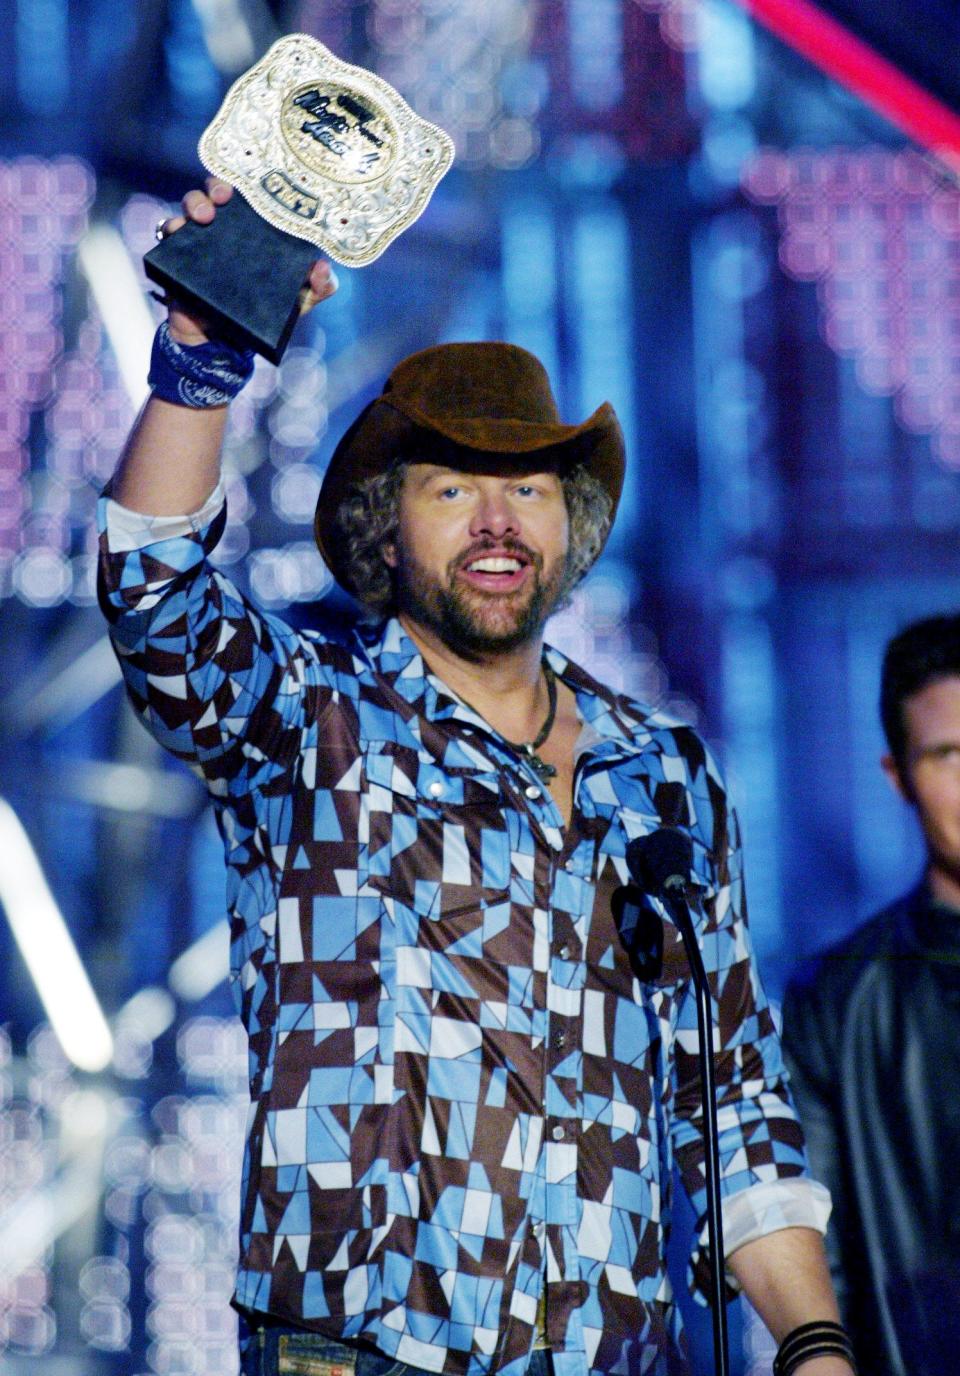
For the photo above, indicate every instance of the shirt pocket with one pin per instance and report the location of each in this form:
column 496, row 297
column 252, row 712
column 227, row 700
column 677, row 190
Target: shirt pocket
column 437, row 838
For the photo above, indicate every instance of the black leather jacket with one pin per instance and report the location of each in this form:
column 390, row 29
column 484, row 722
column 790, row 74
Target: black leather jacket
column 872, row 1039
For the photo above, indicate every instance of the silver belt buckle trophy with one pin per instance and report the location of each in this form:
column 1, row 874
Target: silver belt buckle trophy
column 326, row 156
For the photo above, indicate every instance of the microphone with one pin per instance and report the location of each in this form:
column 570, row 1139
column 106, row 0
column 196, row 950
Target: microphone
column 660, row 864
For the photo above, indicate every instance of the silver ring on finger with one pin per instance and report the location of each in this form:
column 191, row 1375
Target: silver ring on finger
column 158, row 232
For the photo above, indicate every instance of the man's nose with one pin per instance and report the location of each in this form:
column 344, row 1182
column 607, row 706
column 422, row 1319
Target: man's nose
column 494, row 515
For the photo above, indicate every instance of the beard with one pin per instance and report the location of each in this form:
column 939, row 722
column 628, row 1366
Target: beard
column 473, row 623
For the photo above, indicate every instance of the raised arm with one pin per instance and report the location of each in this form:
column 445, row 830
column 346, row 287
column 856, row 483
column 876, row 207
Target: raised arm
column 218, row 681
column 171, row 462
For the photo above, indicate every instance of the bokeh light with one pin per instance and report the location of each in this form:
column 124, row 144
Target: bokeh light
column 879, row 232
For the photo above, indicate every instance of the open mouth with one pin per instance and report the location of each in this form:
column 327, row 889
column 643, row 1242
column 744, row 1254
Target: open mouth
column 496, row 572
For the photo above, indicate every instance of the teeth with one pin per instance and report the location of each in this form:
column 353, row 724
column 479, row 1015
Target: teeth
column 494, row 565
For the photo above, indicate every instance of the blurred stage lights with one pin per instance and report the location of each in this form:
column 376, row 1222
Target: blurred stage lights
column 203, row 965
column 596, row 52
column 214, row 1051
column 42, row 577
column 116, row 290
column 879, row 233
column 597, row 630
column 454, row 62
column 68, row 1186
column 43, row 208
column 192, row 1205
column 226, row 34
column 681, row 21
column 88, row 396
column 48, row 950
column 294, row 492
column 301, row 376
column 105, row 1325
column 177, row 1177
column 27, row 1329
column 296, row 573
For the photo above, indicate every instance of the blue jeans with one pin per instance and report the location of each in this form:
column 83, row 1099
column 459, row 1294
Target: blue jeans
column 278, row 1350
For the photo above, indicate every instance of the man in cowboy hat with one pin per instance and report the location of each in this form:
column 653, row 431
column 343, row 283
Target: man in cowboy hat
column 465, row 1108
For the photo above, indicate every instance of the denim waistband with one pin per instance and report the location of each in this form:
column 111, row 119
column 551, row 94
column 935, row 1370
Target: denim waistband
column 272, row 1347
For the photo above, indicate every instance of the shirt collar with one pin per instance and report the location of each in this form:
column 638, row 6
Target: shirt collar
column 613, row 723
column 397, row 659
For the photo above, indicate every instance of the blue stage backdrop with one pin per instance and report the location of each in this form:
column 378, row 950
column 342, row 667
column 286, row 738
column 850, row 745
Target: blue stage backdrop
column 677, row 215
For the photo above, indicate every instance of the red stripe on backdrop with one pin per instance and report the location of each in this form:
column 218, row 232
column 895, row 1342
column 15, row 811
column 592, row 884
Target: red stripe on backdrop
column 852, row 62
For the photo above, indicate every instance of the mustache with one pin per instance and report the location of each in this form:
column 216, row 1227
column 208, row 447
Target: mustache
column 507, row 546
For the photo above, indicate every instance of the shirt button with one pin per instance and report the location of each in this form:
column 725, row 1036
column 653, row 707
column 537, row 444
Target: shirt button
column 568, row 864
column 435, row 789
column 561, row 1039
column 539, row 1229
column 558, row 1133
column 564, row 952
column 532, row 791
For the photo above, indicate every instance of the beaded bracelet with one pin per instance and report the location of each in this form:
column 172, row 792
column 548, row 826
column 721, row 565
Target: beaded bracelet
column 822, row 1338
column 197, row 375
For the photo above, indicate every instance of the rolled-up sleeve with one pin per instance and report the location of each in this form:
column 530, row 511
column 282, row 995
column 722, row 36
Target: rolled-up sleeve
column 217, row 681
column 764, row 1174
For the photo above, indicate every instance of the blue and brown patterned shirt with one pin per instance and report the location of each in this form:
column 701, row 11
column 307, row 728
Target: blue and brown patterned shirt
column 459, row 1089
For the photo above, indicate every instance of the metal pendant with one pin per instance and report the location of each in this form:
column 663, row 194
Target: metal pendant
column 543, row 771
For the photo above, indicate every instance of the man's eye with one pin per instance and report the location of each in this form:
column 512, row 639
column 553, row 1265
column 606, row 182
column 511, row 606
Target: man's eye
column 450, row 492
column 948, row 754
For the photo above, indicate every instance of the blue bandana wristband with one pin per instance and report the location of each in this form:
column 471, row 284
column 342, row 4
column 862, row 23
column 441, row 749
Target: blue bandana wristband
column 197, row 375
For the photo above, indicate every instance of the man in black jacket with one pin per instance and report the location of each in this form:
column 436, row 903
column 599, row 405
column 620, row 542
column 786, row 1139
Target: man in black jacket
column 872, row 1036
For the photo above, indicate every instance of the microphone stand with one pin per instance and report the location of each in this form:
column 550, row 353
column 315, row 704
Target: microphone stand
column 675, row 903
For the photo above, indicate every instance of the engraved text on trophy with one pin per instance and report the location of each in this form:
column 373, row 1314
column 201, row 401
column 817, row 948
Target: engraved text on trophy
column 338, row 134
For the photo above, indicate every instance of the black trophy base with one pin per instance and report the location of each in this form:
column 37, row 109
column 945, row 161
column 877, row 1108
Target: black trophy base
column 239, row 273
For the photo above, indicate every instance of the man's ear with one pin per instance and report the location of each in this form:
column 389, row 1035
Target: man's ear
column 896, row 778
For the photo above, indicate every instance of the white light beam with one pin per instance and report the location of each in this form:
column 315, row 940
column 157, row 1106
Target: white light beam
column 48, row 950
column 118, row 294
column 203, row 965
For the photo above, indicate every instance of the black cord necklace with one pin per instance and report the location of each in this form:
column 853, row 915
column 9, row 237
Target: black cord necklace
column 529, row 749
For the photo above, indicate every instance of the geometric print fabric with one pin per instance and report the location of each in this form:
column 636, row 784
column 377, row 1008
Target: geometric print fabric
column 459, row 1090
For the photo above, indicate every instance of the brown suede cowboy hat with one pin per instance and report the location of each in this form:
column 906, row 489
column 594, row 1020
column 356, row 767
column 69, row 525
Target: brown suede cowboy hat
column 480, row 407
